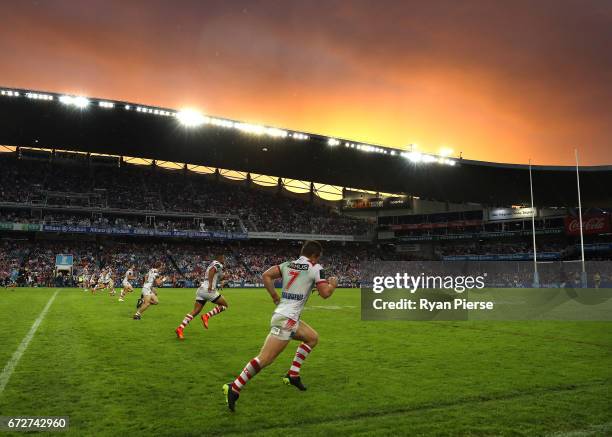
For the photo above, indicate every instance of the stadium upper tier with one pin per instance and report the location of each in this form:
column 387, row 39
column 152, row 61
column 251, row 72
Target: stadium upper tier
column 48, row 120
column 72, row 184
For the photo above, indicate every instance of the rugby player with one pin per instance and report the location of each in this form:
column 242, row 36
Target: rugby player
column 148, row 296
column 109, row 282
column 92, row 281
column 101, row 284
column 299, row 276
column 207, row 292
column 85, row 278
column 127, row 286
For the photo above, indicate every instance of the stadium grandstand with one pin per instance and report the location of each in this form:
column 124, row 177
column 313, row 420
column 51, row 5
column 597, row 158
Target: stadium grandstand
column 113, row 183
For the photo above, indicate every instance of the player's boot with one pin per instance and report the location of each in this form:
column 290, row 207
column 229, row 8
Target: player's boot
column 120, row 299
column 295, row 381
column 205, row 318
column 179, row 332
column 230, row 396
column 137, row 317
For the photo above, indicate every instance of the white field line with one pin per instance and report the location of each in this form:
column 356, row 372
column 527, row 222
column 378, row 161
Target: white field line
column 12, row 363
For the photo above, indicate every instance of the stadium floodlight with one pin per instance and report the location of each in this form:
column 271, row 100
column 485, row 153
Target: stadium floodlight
column 107, row 105
column 275, row 132
column 78, row 101
column 429, row 158
column 190, row 118
column 445, row 151
column 333, row 142
column 413, row 156
column 37, row 96
column 254, row 129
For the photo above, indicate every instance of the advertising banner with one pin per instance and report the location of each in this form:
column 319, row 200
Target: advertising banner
column 497, row 214
column 591, row 225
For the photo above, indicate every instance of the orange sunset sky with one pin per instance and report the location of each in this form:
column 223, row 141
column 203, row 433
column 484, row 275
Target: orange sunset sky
column 497, row 80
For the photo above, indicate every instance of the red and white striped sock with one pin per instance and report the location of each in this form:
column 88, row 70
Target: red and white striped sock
column 300, row 355
column 252, row 368
column 216, row 310
column 188, row 318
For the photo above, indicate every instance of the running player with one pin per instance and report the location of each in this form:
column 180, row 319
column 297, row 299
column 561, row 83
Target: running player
column 93, row 281
column 207, row 292
column 148, row 296
column 85, row 276
column 299, row 276
column 101, row 284
column 109, row 282
column 127, row 286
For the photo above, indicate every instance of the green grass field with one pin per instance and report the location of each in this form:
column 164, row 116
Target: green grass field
column 115, row 376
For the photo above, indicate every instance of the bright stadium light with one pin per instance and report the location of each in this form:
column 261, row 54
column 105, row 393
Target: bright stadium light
column 37, row 96
column 275, row 132
column 413, row 156
column 78, row 101
column 190, row 118
column 445, row 151
column 333, row 142
column 10, row 93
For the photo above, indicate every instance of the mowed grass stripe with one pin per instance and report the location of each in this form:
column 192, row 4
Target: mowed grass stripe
column 116, row 376
column 8, row 369
column 19, row 308
column 516, row 413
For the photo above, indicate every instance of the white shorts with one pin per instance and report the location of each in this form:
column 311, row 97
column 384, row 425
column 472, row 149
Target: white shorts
column 146, row 291
column 283, row 327
column 126, row 284
column 203, row 295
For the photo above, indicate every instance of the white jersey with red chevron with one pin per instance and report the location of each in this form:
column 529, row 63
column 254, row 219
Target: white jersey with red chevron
column 300, row 276
column 218, row 273
column 151, row 276
column 128, row 275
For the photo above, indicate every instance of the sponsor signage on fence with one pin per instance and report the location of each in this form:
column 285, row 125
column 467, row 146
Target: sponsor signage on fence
column 484, row 234
column 437, row 225
column 597, row 224
column 9, row 226
column 323, row 237
column 145, row 232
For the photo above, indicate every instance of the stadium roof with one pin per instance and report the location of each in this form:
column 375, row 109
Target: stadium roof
column 55, row 121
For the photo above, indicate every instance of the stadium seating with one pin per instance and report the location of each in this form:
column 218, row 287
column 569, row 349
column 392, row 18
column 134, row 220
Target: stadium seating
column 71, row 183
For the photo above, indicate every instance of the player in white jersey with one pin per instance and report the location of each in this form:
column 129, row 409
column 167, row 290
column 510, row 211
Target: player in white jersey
column 126, row 284
column 299, row 277
column 85, row 279
column 207, row 292
column 109, row 282
column 148, row 296
column 101, row 284
column 93, row 280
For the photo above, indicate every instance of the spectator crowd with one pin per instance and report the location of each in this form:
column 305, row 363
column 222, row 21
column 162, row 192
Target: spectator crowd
column 73, row 183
